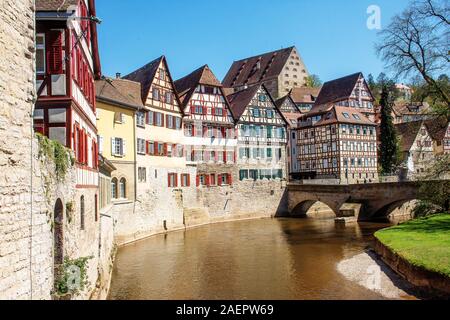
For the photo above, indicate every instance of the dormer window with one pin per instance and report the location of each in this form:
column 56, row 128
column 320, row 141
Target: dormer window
column 346, row 115
column 356, row 117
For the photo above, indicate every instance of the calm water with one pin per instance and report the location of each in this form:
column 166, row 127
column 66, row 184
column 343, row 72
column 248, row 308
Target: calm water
column 262, row 259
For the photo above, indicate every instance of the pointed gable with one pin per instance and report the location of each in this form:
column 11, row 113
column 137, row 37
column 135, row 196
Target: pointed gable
column 338, row 90
column 287, row 105
column 187, row 85
column 145, row 76
column 156, row 74
column 257, row 69
column 241, row 102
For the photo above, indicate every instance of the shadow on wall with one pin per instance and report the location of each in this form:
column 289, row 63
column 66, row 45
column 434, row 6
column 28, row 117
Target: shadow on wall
column 283, row 207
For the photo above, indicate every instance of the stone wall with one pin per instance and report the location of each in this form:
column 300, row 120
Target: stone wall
column 16, row 103
column 163, row 209
column 29, row 188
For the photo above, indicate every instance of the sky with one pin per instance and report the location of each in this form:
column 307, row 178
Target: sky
column 331, row 35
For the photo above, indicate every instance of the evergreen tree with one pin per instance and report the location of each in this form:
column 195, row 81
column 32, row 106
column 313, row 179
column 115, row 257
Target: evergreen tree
column 389, row 140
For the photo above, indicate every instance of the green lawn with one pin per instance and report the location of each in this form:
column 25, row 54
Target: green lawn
column 423, row 242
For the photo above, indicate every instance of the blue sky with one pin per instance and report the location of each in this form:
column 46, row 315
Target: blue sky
column 331, row 35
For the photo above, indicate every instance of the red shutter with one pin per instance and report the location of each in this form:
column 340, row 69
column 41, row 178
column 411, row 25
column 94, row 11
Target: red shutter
column 219, row 179
column 167, row 121
column 156, row 150
column 198, row 181
column 168, row 179
column 216, row 156
column 188, row 180
column 230, row 179
column 176, row 179
column 162, row 120
column 208, row 182
column 165, row 150
column 147, row 147
column 54, row 53
column 224, row 157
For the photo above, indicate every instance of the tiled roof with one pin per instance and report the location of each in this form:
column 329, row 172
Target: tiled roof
column 338, row 114
column 338, row 90
column 54, row 5
column 145, row 76
column 186, row 85
column 305, row 94
column 404, row 108
column 119, row 91
column 241, row 99
column 248, row 71
column 437, row 128
column 408, row 133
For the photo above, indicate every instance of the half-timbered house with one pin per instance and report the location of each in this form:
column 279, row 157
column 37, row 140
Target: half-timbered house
column 262, row 136
column 337, row 143
column 351, row 91
column 210, row 137
column 291, row 113
column 67, row 62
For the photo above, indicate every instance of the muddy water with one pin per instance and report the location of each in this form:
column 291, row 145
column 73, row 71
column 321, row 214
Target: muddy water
column 261, row 259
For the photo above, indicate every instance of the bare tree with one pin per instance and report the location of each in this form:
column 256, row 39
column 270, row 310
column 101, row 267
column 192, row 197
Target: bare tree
column 417, row 41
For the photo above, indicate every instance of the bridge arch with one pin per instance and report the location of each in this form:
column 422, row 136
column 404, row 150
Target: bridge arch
column 303, row 209
column 388, row 208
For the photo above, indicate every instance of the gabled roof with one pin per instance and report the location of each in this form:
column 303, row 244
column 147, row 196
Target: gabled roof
column 405, row 108
column 336, row 114
column 54, row 5
column 239, row 101
column 186, row 85
column 437, row 128
column 145, row 76
column 408, row 132
column 120, row 92
column 338, row 90
column 248, row 72
column 279, row 103
column 305, row 94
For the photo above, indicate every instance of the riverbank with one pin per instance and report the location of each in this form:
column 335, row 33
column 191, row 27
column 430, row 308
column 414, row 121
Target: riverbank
column 370, row 272
column 419, row 251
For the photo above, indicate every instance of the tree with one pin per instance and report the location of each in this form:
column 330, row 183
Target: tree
column 313, row 81
column 434, row 190
column 389, row 142
column 415, row 43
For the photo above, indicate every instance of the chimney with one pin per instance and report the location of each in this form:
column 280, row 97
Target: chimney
column 118, row 75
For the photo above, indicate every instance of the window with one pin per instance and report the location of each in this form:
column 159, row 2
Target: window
column 198, row 109
column 346, row 115
column 150, row 118
column 123, row 188
column 40, row 53
column 170, row 122
column 82, row 213
column 114, row 188
column 356, row 117
column 185, row 180
column 159, row 119
column 169, row 97
column 142, row 175
column 118, row 147
column 119, row 117
column 173, row 180
column 162, row 74
column 218, row 112
column 151, row 148
column 189, row 130
column 256, row 112
column 262, row 98
column 140, row 146
column 177, row 123
column 269, row 153
column 155, row 94
column 230, row 156
column 269, row 114
column 243, row 175
column 140, row 119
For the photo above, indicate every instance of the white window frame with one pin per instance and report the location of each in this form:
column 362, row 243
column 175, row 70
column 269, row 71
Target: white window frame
column 41, row 47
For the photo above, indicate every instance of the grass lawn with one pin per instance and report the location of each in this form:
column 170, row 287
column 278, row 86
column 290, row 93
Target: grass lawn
column 423, row 242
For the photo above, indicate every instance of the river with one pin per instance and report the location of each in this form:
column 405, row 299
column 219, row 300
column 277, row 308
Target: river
column 255, row 259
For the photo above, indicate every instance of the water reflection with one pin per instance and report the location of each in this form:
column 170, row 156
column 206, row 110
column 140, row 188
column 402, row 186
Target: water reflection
column 262, row 259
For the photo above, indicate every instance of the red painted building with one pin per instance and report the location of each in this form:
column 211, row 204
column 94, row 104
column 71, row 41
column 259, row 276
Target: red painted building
column 67, row 63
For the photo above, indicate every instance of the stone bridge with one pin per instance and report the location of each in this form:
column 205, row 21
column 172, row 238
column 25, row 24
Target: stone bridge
column 377, row 200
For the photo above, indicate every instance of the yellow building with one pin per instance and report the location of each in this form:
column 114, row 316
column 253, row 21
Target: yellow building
column 118, row 100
